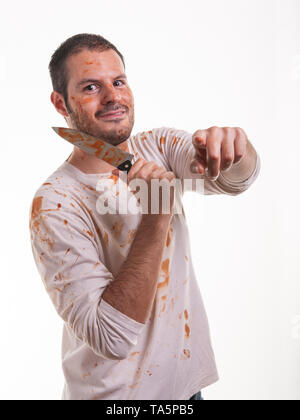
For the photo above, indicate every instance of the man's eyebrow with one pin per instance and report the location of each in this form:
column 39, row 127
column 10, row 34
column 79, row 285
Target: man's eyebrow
column 84, row 81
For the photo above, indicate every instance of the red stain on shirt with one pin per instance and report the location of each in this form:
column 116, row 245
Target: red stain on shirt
column 130, row 238
column 117, row 229
column 61, row 290
column 84, row 186
column 34, row 225
column 88, row 232
column 59, row 277
column 133, row 386
column 169, row 238
column 187, row 330
column 90, row 188
column 172, row 303
column 67, row 251
column 187, row 353
column 163, row 308
column 165, row 270
column 86, row 376
column 57, row 192
column 36, row 207
column 175, row 140
column 162, row 141
column 114, row 178
column 105, row 237
column 133, row 354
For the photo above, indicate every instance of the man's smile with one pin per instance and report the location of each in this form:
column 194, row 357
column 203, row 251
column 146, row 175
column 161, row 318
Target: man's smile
column 114, row 116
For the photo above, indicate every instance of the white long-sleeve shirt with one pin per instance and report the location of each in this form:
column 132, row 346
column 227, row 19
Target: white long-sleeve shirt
column 78, row 252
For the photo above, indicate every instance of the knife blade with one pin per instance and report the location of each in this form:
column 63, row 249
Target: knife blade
column 96, row 147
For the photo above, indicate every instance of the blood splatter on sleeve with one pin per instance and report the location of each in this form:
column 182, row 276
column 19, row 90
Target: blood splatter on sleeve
column 74, row 276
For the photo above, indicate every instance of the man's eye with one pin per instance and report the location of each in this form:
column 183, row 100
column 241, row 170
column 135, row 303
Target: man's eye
column 89, row 88
column 92, row 87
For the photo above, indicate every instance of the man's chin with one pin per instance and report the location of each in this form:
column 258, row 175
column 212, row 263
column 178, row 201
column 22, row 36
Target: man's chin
column 109, row 132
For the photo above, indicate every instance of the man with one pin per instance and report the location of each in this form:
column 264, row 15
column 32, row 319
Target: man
column 135, row 325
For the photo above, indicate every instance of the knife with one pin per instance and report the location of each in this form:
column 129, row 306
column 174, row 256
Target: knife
column 96, row 147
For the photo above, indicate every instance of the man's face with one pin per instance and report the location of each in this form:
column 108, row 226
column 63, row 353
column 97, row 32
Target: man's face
column 97, row 85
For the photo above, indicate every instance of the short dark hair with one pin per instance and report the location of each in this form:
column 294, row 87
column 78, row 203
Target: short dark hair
column 72, row 46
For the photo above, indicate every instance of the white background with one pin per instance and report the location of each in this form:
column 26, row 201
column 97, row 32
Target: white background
column 191, row 65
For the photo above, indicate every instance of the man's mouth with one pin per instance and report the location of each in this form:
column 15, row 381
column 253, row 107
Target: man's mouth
column 113, row 115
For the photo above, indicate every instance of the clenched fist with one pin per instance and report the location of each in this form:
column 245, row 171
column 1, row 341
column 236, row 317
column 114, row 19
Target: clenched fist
column 149, row 171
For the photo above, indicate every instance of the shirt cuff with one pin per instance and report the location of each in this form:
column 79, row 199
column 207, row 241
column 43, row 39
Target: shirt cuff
column 232, row 187
column 118, row 320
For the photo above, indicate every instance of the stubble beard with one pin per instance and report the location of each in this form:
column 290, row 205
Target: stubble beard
column 115, row 136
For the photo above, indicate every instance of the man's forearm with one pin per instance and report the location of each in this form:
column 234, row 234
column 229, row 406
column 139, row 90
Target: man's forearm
column 133, row 290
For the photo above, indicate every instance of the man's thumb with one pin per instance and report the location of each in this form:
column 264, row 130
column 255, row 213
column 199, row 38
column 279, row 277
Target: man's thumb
column 194, row 167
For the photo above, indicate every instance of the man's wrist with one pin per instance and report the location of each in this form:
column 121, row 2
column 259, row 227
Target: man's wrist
column 242, row 170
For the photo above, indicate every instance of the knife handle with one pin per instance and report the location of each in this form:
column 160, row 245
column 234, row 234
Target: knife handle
column 125, row 166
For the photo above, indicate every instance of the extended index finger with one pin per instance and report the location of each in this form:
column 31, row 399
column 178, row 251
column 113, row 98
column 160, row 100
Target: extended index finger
column 199, row 139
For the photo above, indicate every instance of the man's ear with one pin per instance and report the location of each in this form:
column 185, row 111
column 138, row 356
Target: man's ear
column 59, row 103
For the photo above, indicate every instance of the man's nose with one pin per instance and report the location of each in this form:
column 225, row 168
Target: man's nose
column 110, row 94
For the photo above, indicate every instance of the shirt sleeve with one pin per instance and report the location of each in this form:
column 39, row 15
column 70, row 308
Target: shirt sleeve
column 68, row 260
column 177, row 151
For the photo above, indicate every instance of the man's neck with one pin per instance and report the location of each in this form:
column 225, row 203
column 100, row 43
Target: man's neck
column 91, row 164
